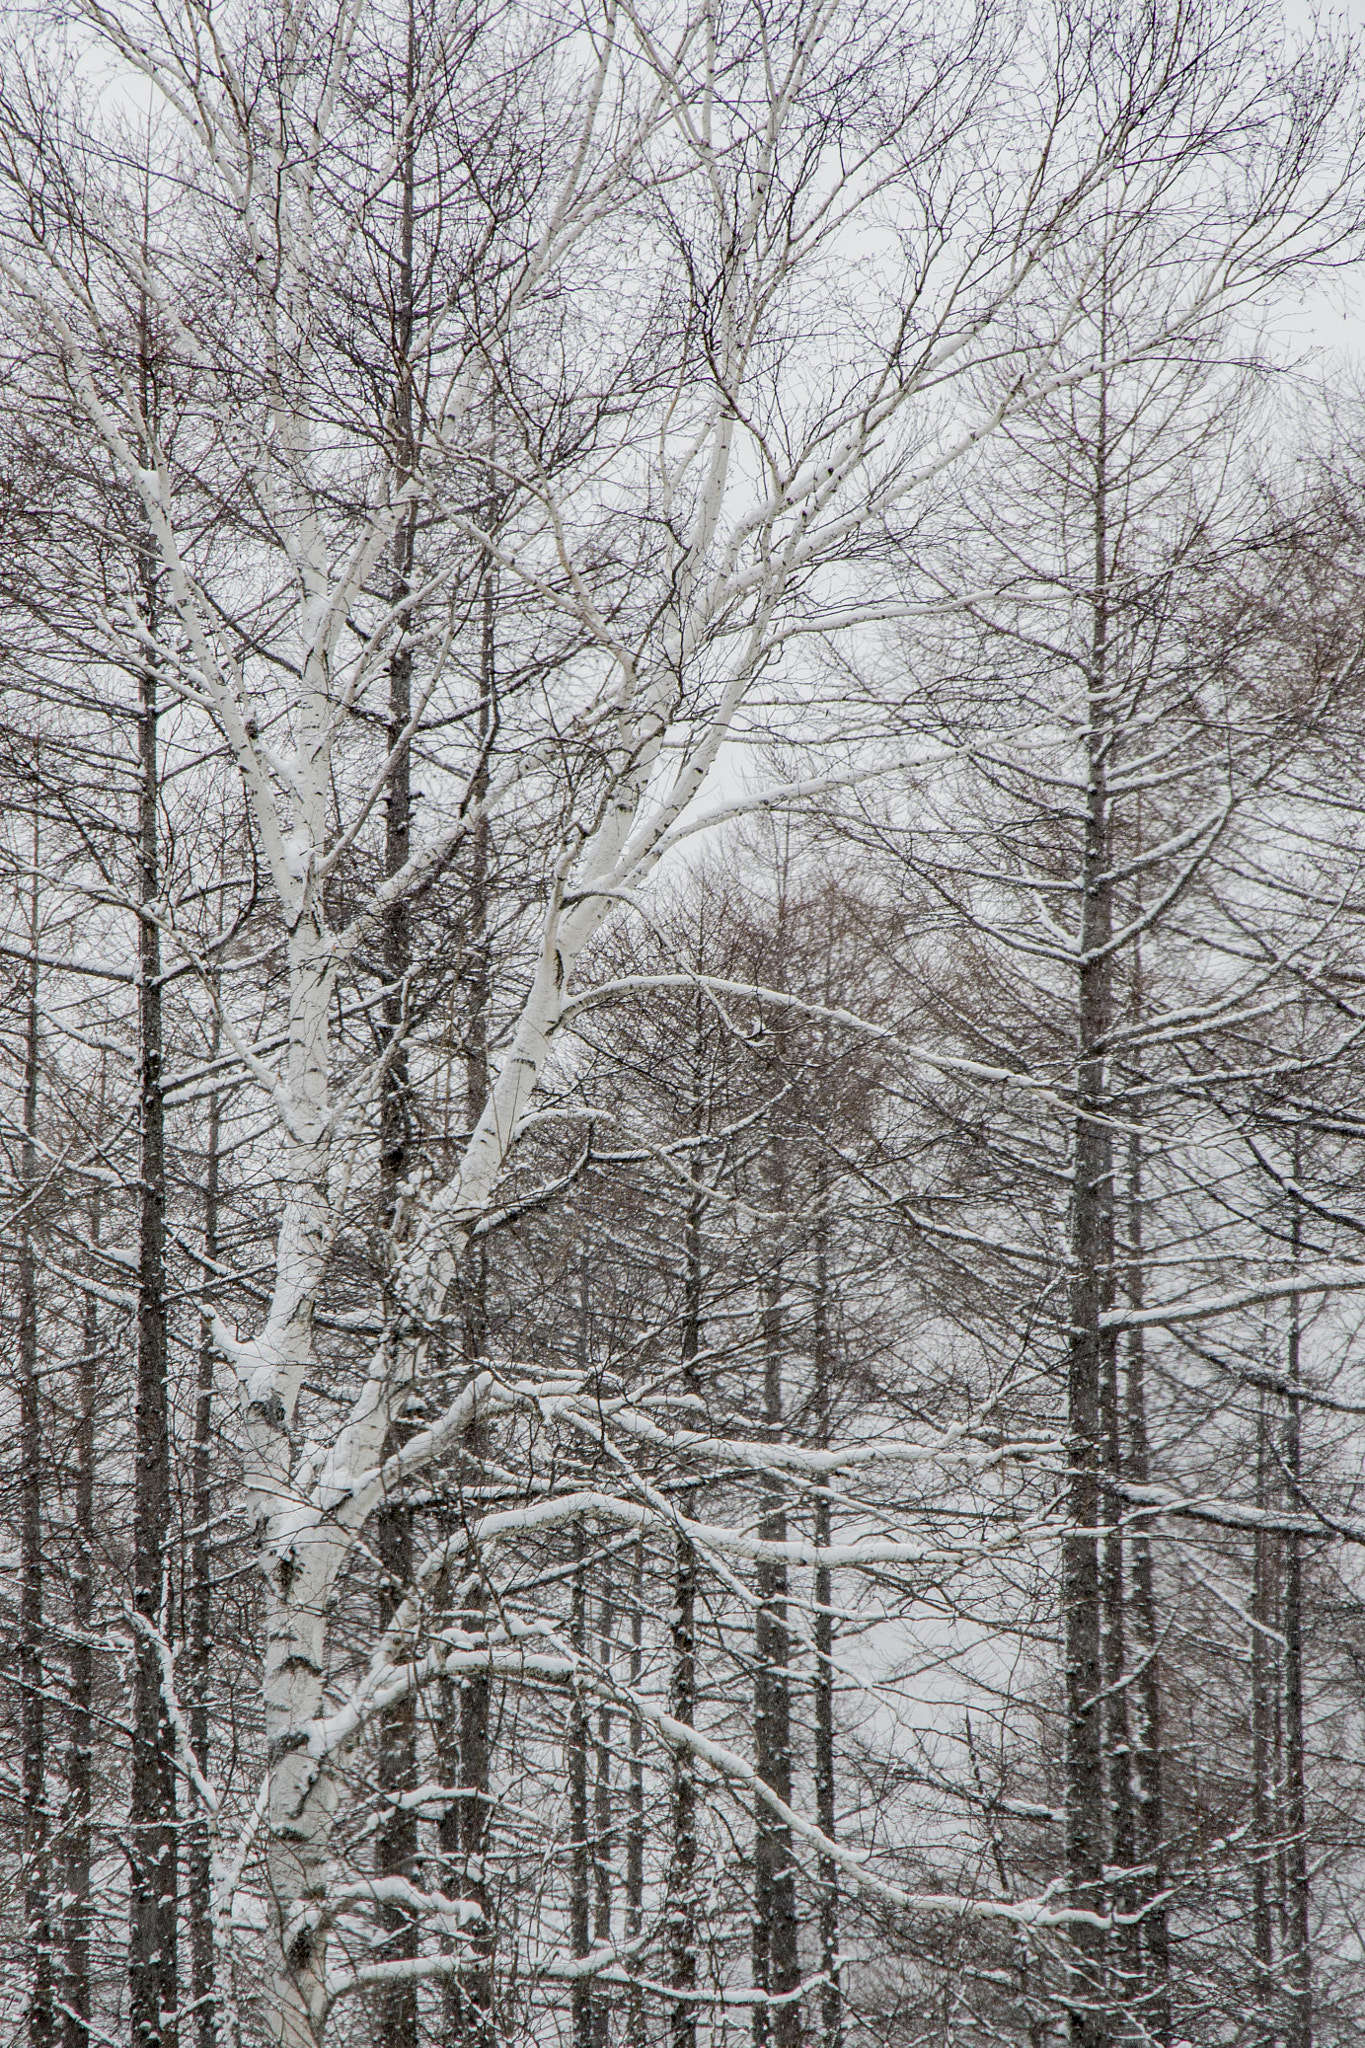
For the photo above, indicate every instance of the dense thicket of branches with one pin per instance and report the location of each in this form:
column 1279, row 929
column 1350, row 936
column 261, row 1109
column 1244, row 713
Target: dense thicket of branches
column 683, row 1080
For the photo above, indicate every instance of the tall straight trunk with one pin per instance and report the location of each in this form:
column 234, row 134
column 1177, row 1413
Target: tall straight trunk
column 1298, row 1959
column 680, row 1907
column 602, row 1841
column 635, row 1823
column 1148, row 1787
column 827, row 1871
column 1264, row 1682
column 79, row 1805
column 776, row 1965
column 152, row 1830
column 36, row 1835
column 1127, row 1989
column 198, row 1862
column 1090, row 1295
column 396, row 1836
column 580, row 1848
column 466, row 1827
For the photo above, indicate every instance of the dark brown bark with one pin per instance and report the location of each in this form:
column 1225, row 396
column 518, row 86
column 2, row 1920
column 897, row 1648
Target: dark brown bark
column 1127, row 1991
column 831, row 1992
column 776, row 1964
column 152, row 1829
column 1298, row 1955
column 635, row 1823
column 79, row 1808
column 1148, row 1760
column 1264, row 1683
column 580, row 1847
column 680, row 1908
column 33, row 1676
column 1090, row 1296
column 198, row 1867
column 465, row 1829
column 396, row 1836
column 602, row 1838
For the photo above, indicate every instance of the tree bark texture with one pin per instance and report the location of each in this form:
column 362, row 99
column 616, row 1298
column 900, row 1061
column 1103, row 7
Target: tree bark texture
column 776, row 1964
column 1090, row 1296
column 33, row 1673
column 198, row 1859
column 152, row 1828
column 826, row 1813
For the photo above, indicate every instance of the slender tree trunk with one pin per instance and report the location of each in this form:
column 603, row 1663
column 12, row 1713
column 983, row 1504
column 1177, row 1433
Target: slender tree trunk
column 1264, row 1678
column 681, row 1902
column 602, row 1841
column 580, row 1847
column 465, row 1830
column 1298, row 1948
column 635, row 1827
column 32, row 1645
column 831, row 1994
column 396, row 1838
column 198, row 1864
column 77, row 1819
column 1091, row 1289
column 776, row 1964
column 1127, row 1989
column 152, row 1831
column 1148, row 1737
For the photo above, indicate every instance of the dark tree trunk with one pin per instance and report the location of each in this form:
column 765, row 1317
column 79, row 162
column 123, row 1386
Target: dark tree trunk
column 396, row 1838
column 602, row 1843
column 1090, row 1296
column 635, row 1826
column 1148, row 1784
column 580, row 1847
column 1127, row 1989
column 152, row 1830
column 1298, row 1957
column 831, row 1995
column 198, row 1867
column 79, row 1808
column 681, row 1902
column 776, row 1964
column 1264, row 1682
column 466, row 1827
column 32, row 1660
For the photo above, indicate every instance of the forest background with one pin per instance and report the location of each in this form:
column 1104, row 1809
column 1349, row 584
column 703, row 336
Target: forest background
column 682, row 1070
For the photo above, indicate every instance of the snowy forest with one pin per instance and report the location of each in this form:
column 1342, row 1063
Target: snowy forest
column 682, row 1061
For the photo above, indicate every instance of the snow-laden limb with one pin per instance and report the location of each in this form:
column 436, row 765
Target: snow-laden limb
column 1202, row 1308
column 1034, row 1913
